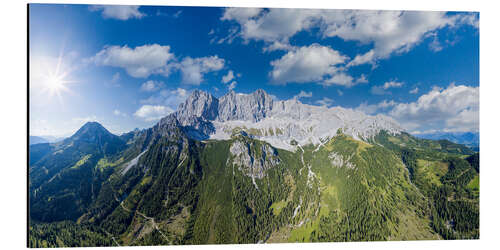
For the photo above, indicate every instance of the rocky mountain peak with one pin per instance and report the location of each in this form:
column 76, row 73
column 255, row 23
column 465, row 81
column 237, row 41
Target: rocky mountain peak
column 198, row 104
column 246, row 107
column 204, row 116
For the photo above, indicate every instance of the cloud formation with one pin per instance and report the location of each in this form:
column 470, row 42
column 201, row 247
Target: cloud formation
column 389, row 31
column 120, row 12
column 372, row 109
column 193, row 69
column 325, row 102
column 227, row 78
column 161, row 104
column 455, row 108
column 151, row 86
column 382, row 90
column 152, row 112
column 140, row 61
column 232, row 85
column 314, row 63
column 146, row 60
column 302, row 94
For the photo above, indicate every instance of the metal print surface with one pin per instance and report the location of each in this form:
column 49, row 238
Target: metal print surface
column 156, row 125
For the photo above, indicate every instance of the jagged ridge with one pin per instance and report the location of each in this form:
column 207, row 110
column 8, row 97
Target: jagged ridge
column 276, row 122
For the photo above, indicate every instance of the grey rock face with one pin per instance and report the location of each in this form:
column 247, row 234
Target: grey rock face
column 252, row 107
column 339, row 160
column 253, row 161
column 167, row 126
column 199, row 104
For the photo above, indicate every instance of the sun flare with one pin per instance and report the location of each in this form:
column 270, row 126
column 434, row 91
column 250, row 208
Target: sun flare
column 53, row 80
column 55, row 83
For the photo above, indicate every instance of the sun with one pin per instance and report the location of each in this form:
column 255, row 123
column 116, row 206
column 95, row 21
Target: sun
column 55, row 83
column 54, row 79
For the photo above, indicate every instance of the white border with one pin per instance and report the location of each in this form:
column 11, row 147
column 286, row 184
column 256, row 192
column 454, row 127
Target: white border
column 13, row 120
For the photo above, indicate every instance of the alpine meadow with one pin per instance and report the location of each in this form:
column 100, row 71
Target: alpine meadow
column 164, row 125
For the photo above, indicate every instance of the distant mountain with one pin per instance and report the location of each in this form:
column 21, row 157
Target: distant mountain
column 53, row 139
column 37, row 140
column 244, row 168
column 470, row 139
column 44, row 139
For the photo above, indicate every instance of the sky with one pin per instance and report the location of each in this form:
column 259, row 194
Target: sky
column 128, row 66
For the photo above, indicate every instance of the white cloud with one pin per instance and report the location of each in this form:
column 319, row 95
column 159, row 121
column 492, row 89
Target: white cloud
column 386, row 104
column 371, row 109
column 362, row 79
column 170, row 98
column 232, row 85
column 435, row 45
column 339, row 79
column 240, row 14
column 455, row 108
column 310, row 63
column 151, row 86
column 414, row 91
column 392, row 84
column 119, row 113
column 140, row 61
column 325, row 101
column 368, row 57
column 143, row 61
column 227, row 78
column 120, row 12
column 339, row 92
column 193, row 69
column 389, row 31
column 382, row 90
column 270, row 25
column 233, row 33
column 276, row 45
column 152, row 112
column 302, row 94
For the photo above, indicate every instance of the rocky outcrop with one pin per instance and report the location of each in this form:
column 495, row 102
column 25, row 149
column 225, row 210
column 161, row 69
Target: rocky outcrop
column 340, row 161
column 253, row 161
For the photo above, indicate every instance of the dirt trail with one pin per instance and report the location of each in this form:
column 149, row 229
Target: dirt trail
column 147, row 218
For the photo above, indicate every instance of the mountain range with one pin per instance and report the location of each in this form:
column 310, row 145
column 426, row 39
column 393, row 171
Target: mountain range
column 470, row 139
column 245, row 168
column 43, row 139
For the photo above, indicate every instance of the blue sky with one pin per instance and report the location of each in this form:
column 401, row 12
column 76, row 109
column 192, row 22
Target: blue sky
column 128, row 66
